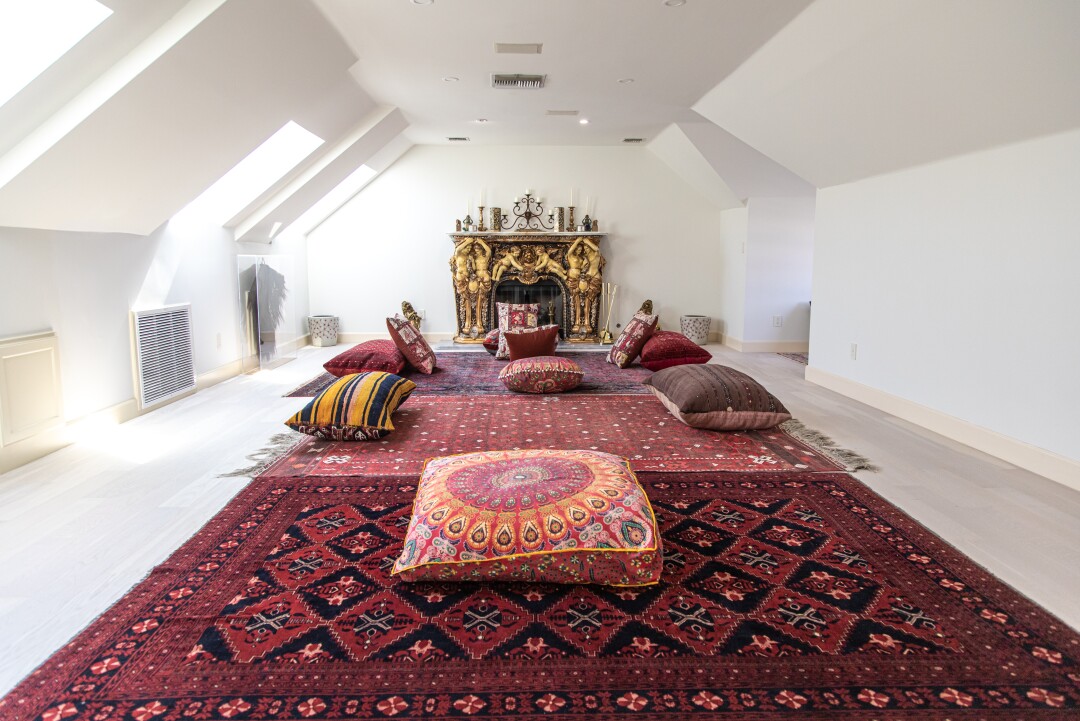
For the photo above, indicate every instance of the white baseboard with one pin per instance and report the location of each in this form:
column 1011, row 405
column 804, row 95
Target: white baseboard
column 1065, row 471
column 765, row 346
column 429, row 336
column 219, row 374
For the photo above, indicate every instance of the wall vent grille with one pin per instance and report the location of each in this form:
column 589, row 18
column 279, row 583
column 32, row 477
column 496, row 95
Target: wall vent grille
column 517, row 81
column 458, row 139
column 562, row 112
column 164, row 356
column 633, row 140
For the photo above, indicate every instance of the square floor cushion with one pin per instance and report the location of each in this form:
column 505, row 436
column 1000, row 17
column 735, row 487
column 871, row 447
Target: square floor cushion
column 514, row 316
column 541, row 374
column 530, row 342
column 356, row 407
column 716, row 397
column 666, row 348
column 632, row 339
column 525, row 516
column 371, row 355
column 411, row 343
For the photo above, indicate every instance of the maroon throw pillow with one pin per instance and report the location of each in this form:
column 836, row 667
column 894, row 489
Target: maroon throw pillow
column 632, row 339
column 372, row 355
column 530, row 343
column 491, row 341
column 411, row 344
column 666, row 348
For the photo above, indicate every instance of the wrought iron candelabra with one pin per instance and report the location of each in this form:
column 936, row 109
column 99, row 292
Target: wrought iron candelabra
column 528, row 215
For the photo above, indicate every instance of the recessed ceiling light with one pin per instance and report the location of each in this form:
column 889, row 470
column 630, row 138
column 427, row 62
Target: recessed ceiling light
column 451, row 79
column 584, row 121
column 422, row 2
column 669, row 3
column 625, row 81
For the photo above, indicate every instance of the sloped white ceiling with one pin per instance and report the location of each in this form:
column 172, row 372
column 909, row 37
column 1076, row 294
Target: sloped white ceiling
column 851, row 88
column 679, row 153
column 229, row 84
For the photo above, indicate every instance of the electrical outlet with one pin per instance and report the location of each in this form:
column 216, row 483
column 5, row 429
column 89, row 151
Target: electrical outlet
column 778, row 321
column 422, row 313
column 219, row 340
column 854, row 351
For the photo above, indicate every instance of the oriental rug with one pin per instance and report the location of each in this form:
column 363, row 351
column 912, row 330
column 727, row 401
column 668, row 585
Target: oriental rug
column 789, row 595
column 637, row 427
column 478, row 374
column 803, row 358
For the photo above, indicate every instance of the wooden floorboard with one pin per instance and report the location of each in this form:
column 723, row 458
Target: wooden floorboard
column 80, row 527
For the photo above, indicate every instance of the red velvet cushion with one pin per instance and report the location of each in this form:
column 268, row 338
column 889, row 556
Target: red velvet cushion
column 372, row 355
column 667, row 348
column 527, row 343
column 411, row 343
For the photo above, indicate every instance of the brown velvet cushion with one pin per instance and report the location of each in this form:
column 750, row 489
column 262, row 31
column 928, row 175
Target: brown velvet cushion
column 529, row 343
column 716, row 397
column 372, row 355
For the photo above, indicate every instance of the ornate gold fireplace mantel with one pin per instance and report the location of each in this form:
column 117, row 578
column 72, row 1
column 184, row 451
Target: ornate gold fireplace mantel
column 483, row 261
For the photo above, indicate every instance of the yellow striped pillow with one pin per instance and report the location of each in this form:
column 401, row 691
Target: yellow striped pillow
column 356, row 407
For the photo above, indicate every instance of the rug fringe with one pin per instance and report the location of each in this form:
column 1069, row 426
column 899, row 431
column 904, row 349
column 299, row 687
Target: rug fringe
column 848, row 459
column 278, row 445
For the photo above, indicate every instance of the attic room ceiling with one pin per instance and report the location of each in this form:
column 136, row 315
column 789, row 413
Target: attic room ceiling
column 673, row 55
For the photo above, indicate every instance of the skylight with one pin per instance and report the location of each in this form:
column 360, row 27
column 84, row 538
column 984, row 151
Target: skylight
column 34, row 34
column 249, row 178
column 341, row 194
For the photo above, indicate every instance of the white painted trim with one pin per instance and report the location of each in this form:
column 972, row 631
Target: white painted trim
column 219, row 374
column 765, row 346
column 1065, row 471
column 429, row 336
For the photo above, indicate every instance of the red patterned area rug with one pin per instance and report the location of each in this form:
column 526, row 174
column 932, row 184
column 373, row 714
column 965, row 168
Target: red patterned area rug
column 637, row 427
column 794, row 595
column 478, row 374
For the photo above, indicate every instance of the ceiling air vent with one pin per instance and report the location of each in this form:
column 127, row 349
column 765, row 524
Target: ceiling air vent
column 517, row 81
column 458, row 140
column 562, row 112
column 633, row 140
column 519, row 48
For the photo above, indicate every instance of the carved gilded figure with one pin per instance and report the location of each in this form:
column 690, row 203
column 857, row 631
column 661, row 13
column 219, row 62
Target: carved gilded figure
column 594, row 278
column 464, row 280
column 481, row 261
column 410, row 314
column 510, row 259
column 575, row 284
column 546, row 264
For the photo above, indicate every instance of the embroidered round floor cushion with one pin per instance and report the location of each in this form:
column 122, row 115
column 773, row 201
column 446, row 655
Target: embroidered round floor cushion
column 542, row 374
column 545, row 516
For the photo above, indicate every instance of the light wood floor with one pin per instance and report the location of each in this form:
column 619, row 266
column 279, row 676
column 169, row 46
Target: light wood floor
column 83, row 525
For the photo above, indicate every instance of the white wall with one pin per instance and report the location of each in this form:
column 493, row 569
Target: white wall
column 733, row 225
column 779, row 269
column 389, row 243
column 84, row 285
column 958, row 281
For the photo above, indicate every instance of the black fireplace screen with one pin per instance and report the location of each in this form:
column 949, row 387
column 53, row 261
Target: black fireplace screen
column 547, row 293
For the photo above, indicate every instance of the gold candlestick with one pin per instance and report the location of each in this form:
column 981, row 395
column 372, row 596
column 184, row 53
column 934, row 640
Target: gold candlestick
column 480, row 228
column 570, row 219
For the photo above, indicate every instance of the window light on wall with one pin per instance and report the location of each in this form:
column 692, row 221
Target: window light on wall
column 34, row 34
column 329, row 203
column 249, row 178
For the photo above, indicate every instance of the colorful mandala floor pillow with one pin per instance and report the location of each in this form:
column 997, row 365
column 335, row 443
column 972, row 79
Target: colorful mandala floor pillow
column 372, row 355
column 717, row 398
column 632, row 339
column 411, row 343
column 514, row 316
column 354, row 408
column 666, row 348
column 542, row 374
column 544, row 516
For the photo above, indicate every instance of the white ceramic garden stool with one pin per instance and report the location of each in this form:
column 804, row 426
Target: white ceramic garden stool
column 323, row 329
column 696, row 328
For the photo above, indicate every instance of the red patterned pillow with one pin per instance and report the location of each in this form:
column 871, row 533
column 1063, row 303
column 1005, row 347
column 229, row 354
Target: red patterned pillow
column 536, row 516
column 541, row 374
column 491, row 341
column 411, row 344
column 529, row 343
column 372, row 355
column 632, row 339
column 515, row 315
column 666, row 348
